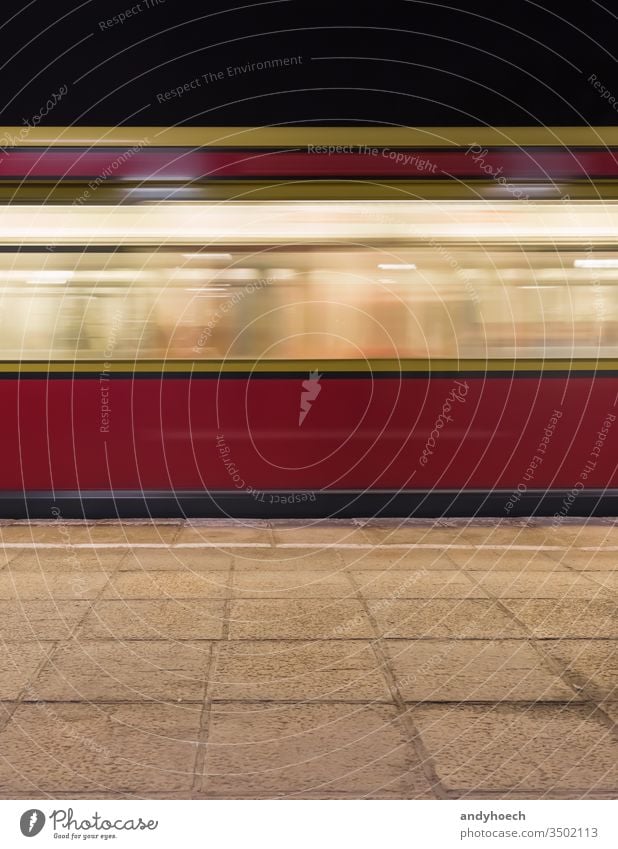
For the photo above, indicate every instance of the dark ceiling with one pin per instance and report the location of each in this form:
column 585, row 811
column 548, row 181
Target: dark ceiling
column 396, row 62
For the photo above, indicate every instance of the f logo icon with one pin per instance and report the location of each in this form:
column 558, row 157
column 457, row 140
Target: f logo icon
column 32, row 822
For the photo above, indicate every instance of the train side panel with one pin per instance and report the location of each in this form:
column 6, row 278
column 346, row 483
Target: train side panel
column 175, row 433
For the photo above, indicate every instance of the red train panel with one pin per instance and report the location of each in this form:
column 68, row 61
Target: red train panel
column 343, row 161
column 359, row 433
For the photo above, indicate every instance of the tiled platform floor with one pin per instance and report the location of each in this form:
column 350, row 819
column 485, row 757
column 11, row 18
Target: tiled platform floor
column 379, row 659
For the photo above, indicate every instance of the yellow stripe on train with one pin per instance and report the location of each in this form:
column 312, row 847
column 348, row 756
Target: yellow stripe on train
column 98, row 367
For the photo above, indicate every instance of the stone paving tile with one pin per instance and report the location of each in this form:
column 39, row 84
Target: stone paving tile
column 176, row 560
column 385, row 559
column 508, row 560
column 6, row 709
column 117, row 671
column 189, row 795
column 190, row 619
column 588, row 533
column 542, row 532
column 416, row 584
column 323, row 795
column 291, row 584
column 17, row 794
column 303, row 619
column 489, row 532
column 18, row 665
column 539, row 535
column 99, row 532
column 584, row 793
column 46, row 560
column 310, row 644
column 607, row 580
column 324, row 535
column 473, row 670
column 274, row 554
column 60, row 748
column 469, row 618
column 293, row 559
column 159, row 534
column 167, row 584
column 533, row 748
column 425, row 534
column 555, row 618
column 33, row 585
column 27, row 533
column 221, row 535
column 39, row 620
column 315, row 748
column 345, row 670
column 560, row 585
column 589, row 561
column 7, row 555
column 592, row 663
column 611, row 709
column 504, row 534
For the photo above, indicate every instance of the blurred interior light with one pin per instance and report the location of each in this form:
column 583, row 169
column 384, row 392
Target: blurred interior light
column 37, row 276
column 325, row 222
column 281, row 273
column 207, row 256
column 596, row 263
column 206, row 289
column 397, row 266
column 47, row 281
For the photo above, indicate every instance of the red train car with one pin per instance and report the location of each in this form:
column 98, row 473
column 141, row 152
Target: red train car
column 309, row 322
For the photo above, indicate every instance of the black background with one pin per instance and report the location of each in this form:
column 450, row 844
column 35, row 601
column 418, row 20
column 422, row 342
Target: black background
column 397, row 62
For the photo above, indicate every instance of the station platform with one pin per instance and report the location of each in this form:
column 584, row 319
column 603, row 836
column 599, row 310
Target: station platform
column 391, row 659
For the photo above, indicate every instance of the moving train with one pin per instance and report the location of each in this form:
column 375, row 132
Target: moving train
column 306, row 321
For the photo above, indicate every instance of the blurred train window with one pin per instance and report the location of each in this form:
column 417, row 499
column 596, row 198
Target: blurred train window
column 309, row 302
